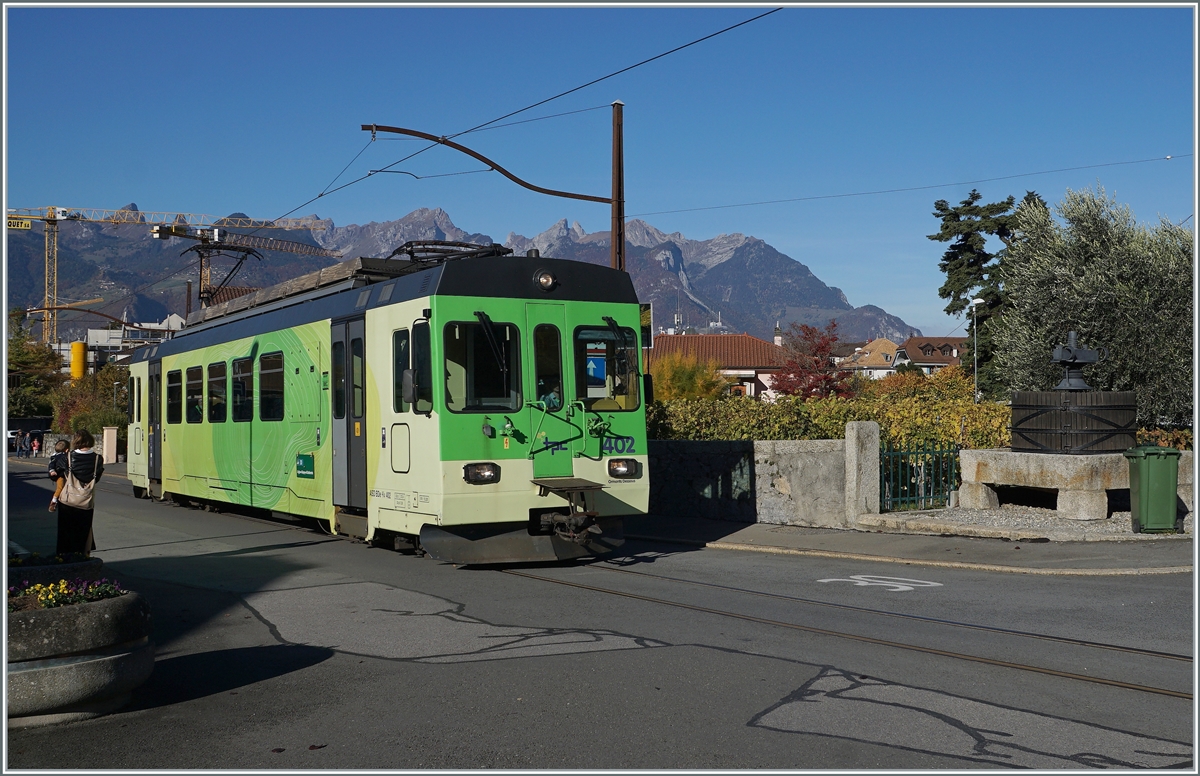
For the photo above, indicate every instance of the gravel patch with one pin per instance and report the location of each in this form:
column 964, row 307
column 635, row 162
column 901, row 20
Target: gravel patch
column 1019, row 521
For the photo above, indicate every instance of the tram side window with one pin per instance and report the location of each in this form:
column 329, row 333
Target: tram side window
column 217, row 389
column 483, row 366
column 357, row 382
column 270, row 390
column 174, row 396
column 422, row 355
column 606, row 368
column 243, row 390
column 137, row 405
column 338, row 358
column 400, row 362
column 129, row 402
column 195, row 394
column 547, row 366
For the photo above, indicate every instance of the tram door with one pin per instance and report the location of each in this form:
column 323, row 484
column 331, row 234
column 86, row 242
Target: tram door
column 347, row 383
column 558, row 428
column 153, row 441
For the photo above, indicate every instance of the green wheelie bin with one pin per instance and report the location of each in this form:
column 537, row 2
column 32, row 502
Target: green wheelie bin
column 1153, row 481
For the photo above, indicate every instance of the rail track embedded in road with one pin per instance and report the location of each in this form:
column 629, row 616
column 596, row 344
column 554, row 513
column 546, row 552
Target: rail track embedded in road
column 860, row 638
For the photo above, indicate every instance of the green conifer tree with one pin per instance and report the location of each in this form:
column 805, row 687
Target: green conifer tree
column 974, row 272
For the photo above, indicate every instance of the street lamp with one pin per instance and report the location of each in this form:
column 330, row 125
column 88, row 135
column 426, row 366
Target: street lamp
column 975, row 349
column 115, row 386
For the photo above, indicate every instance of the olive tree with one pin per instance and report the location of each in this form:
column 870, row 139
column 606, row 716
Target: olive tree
column 1123, row 286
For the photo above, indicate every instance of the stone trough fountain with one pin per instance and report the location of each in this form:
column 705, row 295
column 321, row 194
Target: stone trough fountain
column 1066, row 452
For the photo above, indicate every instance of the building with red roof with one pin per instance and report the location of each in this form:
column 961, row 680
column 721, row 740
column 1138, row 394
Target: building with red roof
column 747, row 361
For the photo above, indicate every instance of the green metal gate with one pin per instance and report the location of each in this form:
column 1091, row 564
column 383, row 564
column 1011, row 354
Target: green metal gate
column 919, row 478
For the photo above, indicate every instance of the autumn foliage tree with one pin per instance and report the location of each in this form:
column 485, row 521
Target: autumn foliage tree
column 33, row 371
column 682, row 376
column 809, row 370
column 92, row 402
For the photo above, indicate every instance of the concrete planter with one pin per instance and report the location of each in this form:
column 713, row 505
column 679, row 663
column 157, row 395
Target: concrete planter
column 44, row 575
column 76, row 662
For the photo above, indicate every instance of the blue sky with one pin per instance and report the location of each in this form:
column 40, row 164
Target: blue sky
column 218, row 110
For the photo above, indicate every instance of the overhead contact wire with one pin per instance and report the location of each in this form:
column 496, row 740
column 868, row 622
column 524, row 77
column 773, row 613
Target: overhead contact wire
column 910, row 188
column 530, row 107
column 619, row 72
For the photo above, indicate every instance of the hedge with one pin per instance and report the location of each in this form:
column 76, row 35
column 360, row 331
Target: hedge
column 906, row 421
column 902, row 422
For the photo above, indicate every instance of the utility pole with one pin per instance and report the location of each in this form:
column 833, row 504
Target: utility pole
column 617, row 200
column 617, row 255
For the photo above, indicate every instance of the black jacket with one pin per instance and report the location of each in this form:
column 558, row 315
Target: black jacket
column 83, row 466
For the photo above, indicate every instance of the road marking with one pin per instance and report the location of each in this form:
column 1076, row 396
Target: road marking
column 893, row 584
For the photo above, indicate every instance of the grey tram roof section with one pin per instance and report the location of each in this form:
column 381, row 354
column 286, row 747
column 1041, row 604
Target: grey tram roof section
column 349, row 288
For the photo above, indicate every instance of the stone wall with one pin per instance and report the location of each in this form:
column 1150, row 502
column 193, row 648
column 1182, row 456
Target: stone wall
column 779, row 482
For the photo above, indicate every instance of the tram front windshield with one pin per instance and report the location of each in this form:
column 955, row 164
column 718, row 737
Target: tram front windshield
column 606, row 368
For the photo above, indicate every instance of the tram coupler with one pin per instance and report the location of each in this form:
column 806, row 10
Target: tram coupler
column 578, row 527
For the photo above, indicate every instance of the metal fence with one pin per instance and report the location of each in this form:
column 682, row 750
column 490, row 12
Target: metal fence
column 920, row 478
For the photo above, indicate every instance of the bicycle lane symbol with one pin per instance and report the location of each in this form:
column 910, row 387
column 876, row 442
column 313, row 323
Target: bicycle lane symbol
column 893, row 584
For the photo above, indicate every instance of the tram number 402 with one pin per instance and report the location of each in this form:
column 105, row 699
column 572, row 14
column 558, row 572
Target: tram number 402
column 618, row 445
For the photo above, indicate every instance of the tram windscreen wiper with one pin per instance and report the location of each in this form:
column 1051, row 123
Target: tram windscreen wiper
column 489, row 331
column 618, row 335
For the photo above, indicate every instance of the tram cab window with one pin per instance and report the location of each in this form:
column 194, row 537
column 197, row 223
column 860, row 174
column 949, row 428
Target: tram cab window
column 243, row 390
column 606, row 367
column 400, row 362
column 175, row 396
column 217, row 390
column 422, row 355
column 270, row 388
column 129, row 400
column 483, row 366
column 547, row 366
column 194, row 398
column 338, row 363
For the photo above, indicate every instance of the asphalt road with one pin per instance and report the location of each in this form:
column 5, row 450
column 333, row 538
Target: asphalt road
column 281, row 647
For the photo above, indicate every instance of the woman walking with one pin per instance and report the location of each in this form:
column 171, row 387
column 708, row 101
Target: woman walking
column 81, row 469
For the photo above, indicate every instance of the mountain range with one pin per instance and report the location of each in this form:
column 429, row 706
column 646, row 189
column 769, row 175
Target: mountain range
column 738, row 280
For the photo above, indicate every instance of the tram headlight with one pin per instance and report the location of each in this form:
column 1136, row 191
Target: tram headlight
column 481, row 473
column 623, row 468
column 544, row 279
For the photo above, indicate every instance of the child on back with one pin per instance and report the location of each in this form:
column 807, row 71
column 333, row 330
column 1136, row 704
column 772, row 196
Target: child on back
column 60, row 452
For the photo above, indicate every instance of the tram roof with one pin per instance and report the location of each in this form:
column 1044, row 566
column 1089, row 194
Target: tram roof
column 356, row 285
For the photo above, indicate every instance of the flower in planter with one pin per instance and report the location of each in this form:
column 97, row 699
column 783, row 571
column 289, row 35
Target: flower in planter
column 61, row 593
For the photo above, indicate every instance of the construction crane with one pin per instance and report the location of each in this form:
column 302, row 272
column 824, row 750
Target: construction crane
column 208, row 230
column 214, row 241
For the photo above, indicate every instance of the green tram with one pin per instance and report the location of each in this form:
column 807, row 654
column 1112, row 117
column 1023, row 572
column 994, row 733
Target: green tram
column 478, row 406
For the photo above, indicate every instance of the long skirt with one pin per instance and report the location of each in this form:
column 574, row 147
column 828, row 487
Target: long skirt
column 74, row 530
